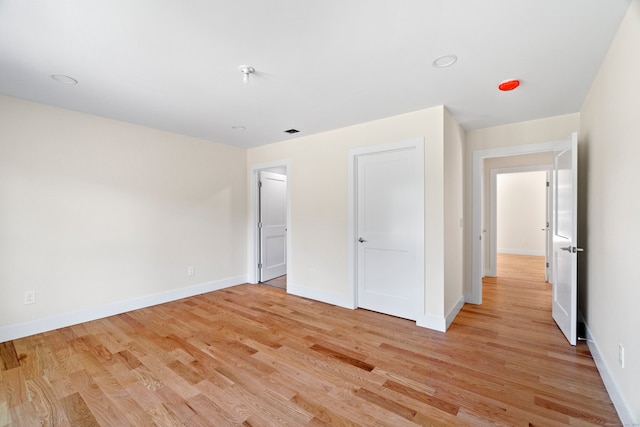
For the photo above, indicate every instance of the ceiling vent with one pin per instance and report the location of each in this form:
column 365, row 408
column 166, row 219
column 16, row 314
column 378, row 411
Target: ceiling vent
column 292, row 131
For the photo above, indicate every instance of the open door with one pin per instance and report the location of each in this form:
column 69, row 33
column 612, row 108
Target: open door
column 272, row 225
column 565, row 233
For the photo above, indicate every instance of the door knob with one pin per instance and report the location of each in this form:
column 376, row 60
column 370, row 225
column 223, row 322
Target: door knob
column 361, row 240
column 572, row 249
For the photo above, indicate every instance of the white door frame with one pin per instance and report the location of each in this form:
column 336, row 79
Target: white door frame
column 491, row 271
column 475, row 297
column 254, row 207
column 352, row 226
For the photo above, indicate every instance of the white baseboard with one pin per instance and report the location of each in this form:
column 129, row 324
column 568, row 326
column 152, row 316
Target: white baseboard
column 322, row 296
column 20, row 330
column 438, row 323
column 454, row 311
column 623, row 409
column 471, row 298
column 531, row 252
column 429, row 321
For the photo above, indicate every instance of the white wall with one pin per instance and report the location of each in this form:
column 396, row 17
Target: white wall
column 98, row 212
column 609, row 199
column 521, row 213
column 454, row 137
column 319, row 215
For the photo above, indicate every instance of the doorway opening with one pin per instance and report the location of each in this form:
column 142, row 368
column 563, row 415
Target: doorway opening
column 519, row 218
column 563, row 225
column 483, row 263
column 269, row 231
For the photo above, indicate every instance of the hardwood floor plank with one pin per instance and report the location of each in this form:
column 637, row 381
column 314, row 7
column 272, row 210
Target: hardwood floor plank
column 101, row 407
column 8, row 356
column 422, row 397
column 15, row 387
column 78, row 412
column 387, row 404
column 5, row 416
column 163, row 417
column 46, row 406
column 321, row 414
column 254, row 355
column 181, row 409
column 583, row 413
column 342, row 357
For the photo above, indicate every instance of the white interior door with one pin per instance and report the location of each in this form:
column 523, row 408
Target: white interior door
column 272, row 225
column 565, row 232
column 387, row 213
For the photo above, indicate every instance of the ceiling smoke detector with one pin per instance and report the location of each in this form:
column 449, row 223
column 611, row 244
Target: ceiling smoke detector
column 508, row 85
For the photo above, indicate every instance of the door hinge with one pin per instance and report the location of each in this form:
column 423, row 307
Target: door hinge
column 260, row 265
column 547, row 265
column 260, row 184
column 547, row 224
column 548, row 184
column 259, row 225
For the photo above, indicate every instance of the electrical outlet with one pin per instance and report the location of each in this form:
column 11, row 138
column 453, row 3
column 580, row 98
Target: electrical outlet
column 191, row 270
column 621, row 355
column 30, row 297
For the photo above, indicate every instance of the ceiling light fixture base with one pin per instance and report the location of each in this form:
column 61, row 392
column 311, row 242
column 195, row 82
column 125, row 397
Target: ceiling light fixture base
column 64, row 79
column 445, row 61
column 246, row 70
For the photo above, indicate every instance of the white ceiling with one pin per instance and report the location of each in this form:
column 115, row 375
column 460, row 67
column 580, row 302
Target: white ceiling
column 320, row 65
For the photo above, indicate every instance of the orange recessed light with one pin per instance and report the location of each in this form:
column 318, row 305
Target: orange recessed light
column 508, row 85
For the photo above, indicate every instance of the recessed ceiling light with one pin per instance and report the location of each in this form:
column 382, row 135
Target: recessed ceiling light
column 62, row 78
column 508, row 85
column 445, row 61
column 238, row 127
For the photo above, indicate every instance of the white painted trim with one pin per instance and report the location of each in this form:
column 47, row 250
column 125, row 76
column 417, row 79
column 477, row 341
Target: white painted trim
column 623, row 409
column 62, row 320
column 454, row 312
column 344, row 301
column 352, row 158
column 252, row 226
column 475, row 297
column 491, row 271
column 469, row 298
column 437, row 323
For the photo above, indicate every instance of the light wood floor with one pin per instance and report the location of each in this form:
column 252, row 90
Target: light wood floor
column 278, row 282
column 253, row 355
